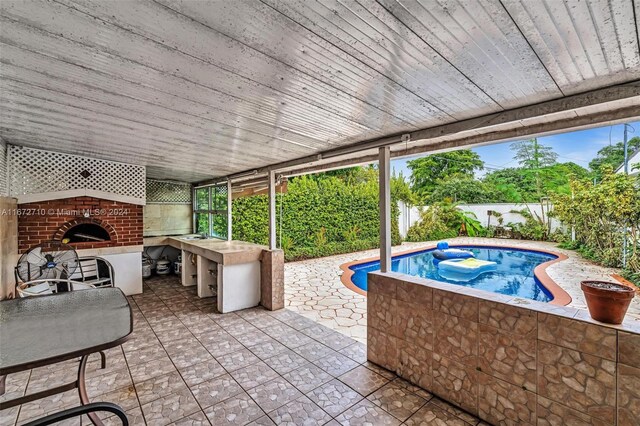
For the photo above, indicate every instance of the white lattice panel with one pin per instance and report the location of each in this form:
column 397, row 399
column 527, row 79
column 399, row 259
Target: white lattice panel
column 34, row 171
column 161, row 191
column 4, row 189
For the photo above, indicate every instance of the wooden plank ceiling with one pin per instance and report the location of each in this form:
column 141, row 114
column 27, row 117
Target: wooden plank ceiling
column 196, row 89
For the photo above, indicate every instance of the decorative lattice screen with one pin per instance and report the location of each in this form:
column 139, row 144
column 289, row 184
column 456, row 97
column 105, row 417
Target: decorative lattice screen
column 4, row 189
column 34, row 171
column 219, row 197
column 160, row 191
column 219, row 211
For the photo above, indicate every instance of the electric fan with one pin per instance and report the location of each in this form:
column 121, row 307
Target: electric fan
column 49, row 260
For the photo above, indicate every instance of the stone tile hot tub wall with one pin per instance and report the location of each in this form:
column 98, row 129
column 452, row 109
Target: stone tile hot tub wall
column 506, row 360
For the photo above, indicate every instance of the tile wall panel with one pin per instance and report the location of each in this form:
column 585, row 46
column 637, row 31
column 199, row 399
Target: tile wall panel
column 506, row 360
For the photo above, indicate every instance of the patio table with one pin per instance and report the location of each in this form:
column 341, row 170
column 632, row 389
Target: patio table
column 44, row 330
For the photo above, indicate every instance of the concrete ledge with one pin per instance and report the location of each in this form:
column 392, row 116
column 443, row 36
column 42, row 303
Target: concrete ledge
column 506, row 360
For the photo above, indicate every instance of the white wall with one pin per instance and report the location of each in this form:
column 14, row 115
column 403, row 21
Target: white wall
column 634, row 161
column 411, row 215
column 127, row 269
column 167, row 219
column 408, row 216
column 127, row 265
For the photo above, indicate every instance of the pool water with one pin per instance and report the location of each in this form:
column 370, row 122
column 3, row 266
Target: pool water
column 514, row 275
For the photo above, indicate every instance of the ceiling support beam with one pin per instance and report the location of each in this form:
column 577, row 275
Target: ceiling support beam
column 574, row 123
column 384, row 182
column 582, row 122
column 621, row 99
column 514, row 120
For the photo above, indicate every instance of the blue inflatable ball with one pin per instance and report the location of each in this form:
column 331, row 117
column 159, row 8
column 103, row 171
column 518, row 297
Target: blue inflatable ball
column 442, row 245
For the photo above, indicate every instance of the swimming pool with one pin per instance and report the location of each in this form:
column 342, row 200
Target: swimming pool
column 514, row 275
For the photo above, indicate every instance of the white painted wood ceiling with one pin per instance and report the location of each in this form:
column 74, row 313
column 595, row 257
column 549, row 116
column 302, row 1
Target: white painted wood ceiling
column 200, row 89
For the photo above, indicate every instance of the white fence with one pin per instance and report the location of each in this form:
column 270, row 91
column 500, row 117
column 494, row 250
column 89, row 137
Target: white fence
column 411, row 215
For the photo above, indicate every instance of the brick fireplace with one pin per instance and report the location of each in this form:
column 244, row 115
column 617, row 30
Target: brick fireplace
column 121, row 223
column 95, row 205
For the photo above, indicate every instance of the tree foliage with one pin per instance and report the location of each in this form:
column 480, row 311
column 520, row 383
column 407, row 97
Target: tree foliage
column 600, row 213
column 427, row 171
column 401, row 191
column 532, row 155
column 613, row 156
column 520, row 185
column 450, row 176
column 434, row 223
column 465, row 189
column 535, row 227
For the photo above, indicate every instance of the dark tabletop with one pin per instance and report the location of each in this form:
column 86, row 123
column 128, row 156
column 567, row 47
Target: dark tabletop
column 42, row 330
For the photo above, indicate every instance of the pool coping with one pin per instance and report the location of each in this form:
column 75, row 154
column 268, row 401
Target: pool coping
column 560, row 296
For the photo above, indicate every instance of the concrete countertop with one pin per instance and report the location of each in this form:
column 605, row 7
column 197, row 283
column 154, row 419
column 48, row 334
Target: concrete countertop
column 219, row 251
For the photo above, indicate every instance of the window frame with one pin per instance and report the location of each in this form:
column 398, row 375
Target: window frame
column 210, row 211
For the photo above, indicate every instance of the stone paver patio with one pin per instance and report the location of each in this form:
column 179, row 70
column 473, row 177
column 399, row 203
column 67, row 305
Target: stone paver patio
column 313, row 287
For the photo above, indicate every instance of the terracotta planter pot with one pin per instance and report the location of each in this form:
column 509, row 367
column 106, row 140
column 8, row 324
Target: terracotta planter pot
column 607, row 302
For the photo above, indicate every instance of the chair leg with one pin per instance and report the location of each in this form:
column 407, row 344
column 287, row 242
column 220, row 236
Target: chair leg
column 89, row 409
column 82, row 390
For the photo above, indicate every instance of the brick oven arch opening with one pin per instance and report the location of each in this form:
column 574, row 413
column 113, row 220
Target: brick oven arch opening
column 85, row 231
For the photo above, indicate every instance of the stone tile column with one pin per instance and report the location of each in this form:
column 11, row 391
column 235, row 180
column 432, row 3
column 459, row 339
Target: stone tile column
column 272, row 279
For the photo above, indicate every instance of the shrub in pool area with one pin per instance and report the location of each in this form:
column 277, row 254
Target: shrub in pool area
column 329, row 249
column 632, row 277
column 321, row 215
column 599, row 214
column 444, row 220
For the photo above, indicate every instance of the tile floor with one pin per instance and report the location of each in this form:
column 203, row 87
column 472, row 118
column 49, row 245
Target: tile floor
column 187, row 365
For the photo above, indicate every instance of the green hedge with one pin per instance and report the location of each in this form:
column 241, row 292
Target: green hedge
column 320, row 217
column 329, row 249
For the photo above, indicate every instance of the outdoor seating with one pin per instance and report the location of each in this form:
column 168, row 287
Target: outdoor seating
column 95, row 271
column 77, row 325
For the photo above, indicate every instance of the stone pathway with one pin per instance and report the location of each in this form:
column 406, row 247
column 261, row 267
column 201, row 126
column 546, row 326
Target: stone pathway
column 313, row 287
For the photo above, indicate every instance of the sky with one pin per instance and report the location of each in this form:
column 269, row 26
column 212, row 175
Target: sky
column 579, row 147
